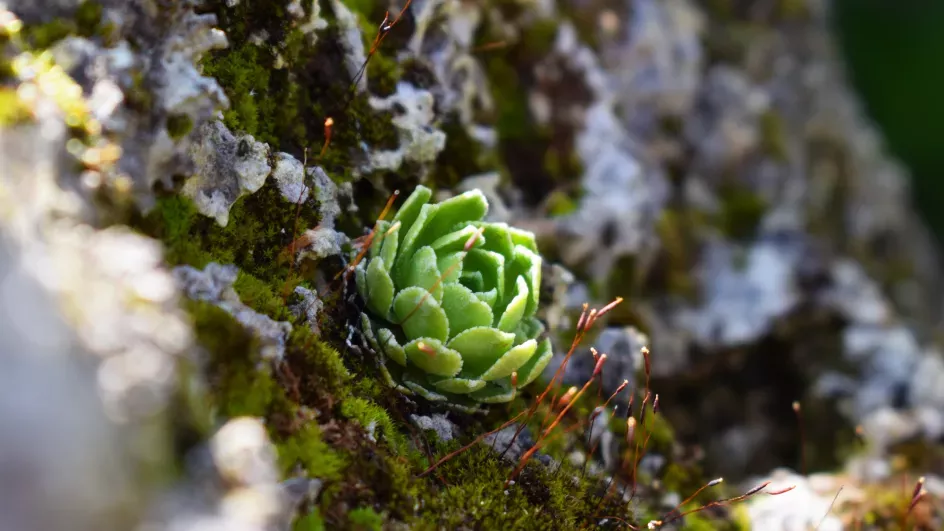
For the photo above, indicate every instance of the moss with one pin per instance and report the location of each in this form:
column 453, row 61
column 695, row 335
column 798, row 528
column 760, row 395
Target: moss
column 321, row 363
column 138, row 96
column 540, row 499
column 559, row 203
column 309, row 522
column 178, row 126
column 287, row 107
column 86, row 22
column 382, row 75
column 365, row 8
column 88, row 18
column 721, row 9
column 741, row 212
column 239, row 386
column 675, row 229
column 513, row 119
column 537, row 157
column 773, row 137
column 245, row 76
column 462, row 156
column 12, row 110
column 42, row 36
column 172, row 221
column 307, row 448
column 365, row 519
column 373, row 417
column 260, row 229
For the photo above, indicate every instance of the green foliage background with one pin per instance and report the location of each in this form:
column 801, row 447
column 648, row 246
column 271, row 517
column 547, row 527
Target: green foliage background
column 895, row 55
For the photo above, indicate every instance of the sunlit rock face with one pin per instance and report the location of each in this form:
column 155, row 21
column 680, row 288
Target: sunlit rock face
column 711, row 167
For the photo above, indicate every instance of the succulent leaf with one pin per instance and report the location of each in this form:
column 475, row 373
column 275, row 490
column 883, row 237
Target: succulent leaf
column 433, row 357
column 379, row 287
column 488, row 297
column 411, row 242
column 481, row 347
column 411, row 209
column 468, row 206
column 536, row 365
column 473, row 280
column 523, row 238
column 528, row 264
column 464, row 310
column 491, row 266
column 421, row 390
column 457, row 240
column 390, row 346
column 451, row 300
column 391, row 243
column 528, row 328
column 494, row 394
column 360, row 278
column 459, row 386
column 511, row 361
column 497, row 238
column 451, row 266
column 515, row 310
column 424, row 272
column 420, row 315
column 377, row 242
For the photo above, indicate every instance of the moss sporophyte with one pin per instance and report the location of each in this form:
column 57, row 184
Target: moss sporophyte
column 451, row 301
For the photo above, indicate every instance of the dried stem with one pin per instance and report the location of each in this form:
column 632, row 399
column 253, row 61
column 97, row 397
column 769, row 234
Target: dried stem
column 799, row 415
column 524, row 459
column 830, row 508
column 582, row 327
column 478, row 439
column 655, row 524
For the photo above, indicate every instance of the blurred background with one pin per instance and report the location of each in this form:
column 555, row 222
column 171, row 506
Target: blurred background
column 712, row 162
column 895, row 53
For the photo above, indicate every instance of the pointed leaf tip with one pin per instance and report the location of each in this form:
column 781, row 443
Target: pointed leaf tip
column 433, row 357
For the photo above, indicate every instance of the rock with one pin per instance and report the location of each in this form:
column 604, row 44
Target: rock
column 61, row 449
column 352, row 42
column 505, row 443
column 227, row 168
column 313, row 24
column 290, row 176
column 745, row 291
column 413, row 117
column 445, row 429
column 214, row 284
column 658, row 62
column 232, row 484
column 243, row 454
column 308, row 307
column 804, row 507
column 855, row 296
column 622, row 346
column 320, row 243
column 327, row 195
column 159, row 49
column 621, row 195
column 444, row 43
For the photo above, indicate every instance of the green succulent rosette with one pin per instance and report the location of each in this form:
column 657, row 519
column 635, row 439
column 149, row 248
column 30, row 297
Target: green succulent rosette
column 451, row 301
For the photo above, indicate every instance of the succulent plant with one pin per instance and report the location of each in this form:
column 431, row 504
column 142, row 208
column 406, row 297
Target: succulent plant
column 451, row 301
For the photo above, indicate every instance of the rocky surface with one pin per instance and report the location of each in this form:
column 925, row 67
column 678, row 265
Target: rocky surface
column 183, row 184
